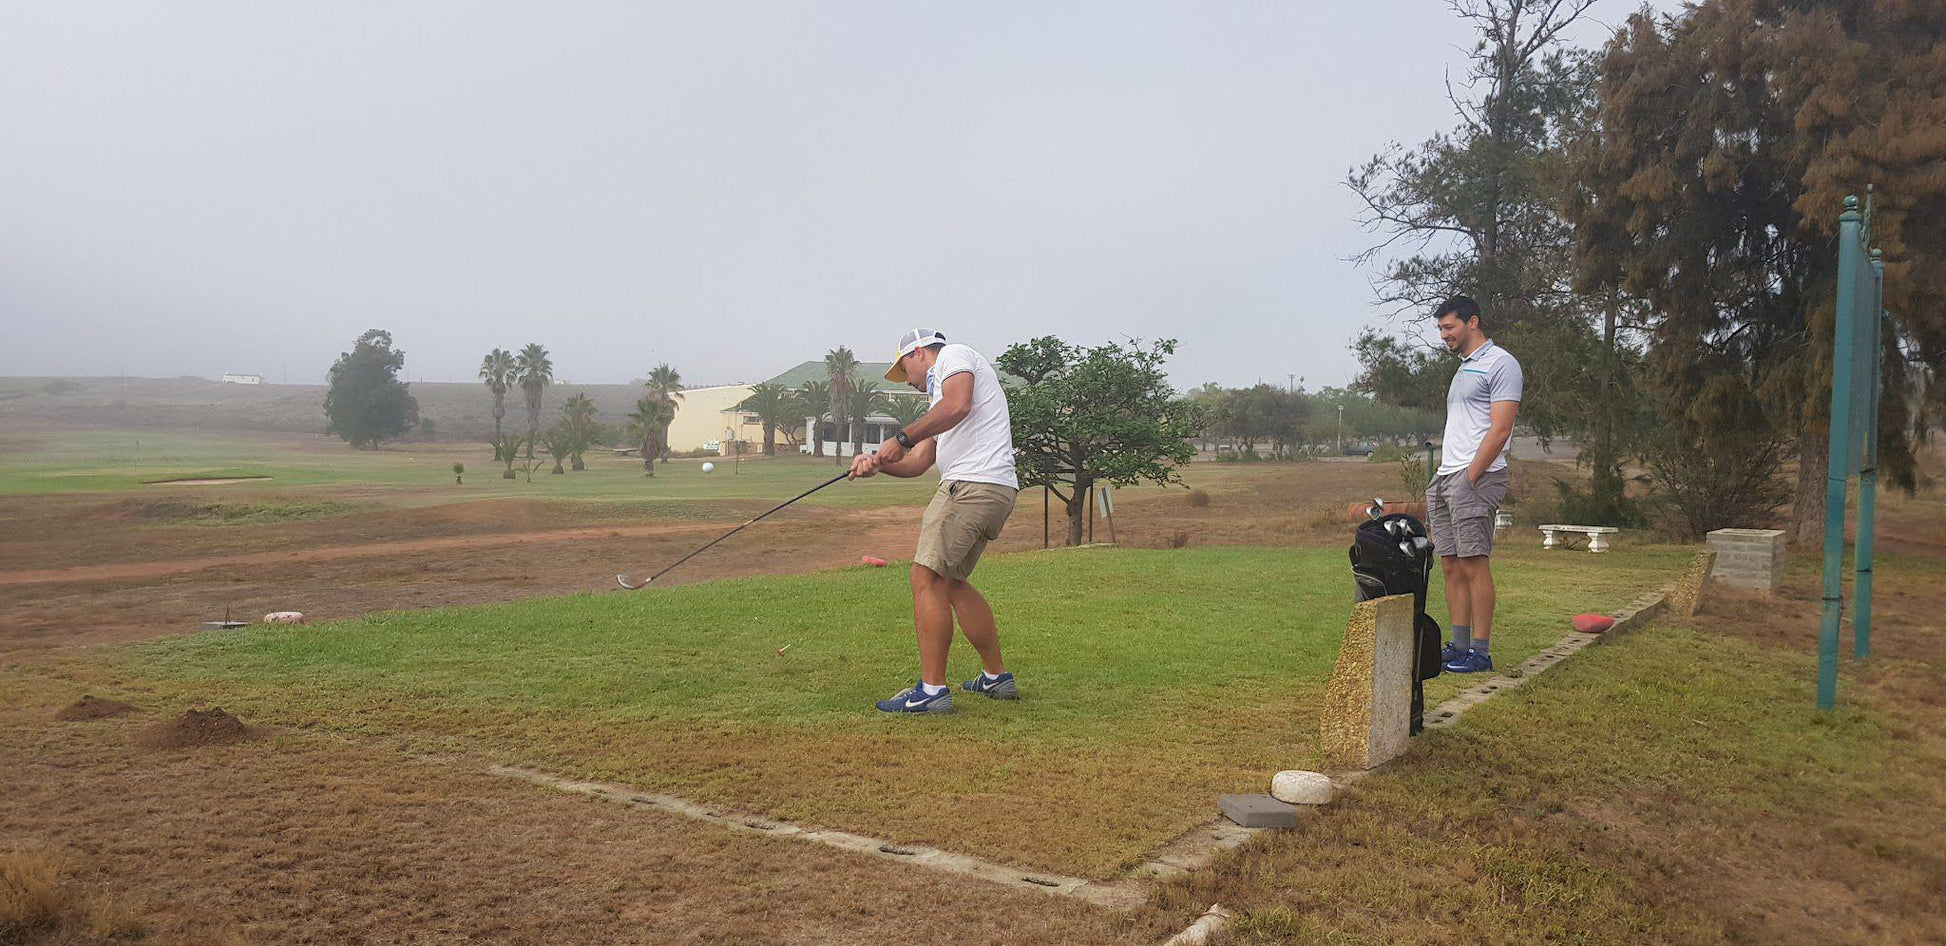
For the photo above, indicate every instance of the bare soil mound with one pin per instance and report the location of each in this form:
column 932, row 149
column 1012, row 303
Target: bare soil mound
column 93, row 707
column 211, row 727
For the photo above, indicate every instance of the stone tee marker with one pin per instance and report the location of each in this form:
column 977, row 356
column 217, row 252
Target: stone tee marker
column 1749, row 558
column 1687, row 595
column 1368, row 704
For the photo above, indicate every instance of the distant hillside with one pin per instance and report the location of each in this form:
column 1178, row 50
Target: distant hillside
column 458, row 411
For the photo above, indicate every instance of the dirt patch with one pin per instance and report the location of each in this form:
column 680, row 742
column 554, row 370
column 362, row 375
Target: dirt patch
column 93, row 707
column 205, row 481
column 211, row 727
column 317, row 839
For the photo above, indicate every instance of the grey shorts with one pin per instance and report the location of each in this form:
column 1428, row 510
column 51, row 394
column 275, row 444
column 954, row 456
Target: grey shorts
column 1460, row 514
column 962, row 518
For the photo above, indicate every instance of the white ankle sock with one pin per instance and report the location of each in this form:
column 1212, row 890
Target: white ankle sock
column 989, row 677
column 929, row 689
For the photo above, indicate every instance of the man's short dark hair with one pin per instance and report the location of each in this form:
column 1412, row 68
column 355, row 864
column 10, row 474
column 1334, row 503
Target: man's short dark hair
column 1461, row 306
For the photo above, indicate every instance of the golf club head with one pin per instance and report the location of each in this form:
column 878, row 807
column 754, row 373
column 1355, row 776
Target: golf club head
column 1405, row 548
column 1376, row 509
column 1422, row 545
column 630, row 584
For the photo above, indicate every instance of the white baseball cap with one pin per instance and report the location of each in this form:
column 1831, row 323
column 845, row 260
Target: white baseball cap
column 908, row 343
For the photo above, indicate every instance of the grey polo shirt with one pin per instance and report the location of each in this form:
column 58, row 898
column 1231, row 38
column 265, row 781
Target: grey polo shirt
column 1486, row 376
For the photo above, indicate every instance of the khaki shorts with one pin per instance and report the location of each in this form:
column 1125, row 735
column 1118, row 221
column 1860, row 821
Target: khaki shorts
column 1459, row 515
column 962, row 518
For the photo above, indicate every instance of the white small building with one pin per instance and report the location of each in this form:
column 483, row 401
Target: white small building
column 243, row 379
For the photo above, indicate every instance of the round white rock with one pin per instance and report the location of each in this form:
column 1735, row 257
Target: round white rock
column 708, row 467
column 1301, row 788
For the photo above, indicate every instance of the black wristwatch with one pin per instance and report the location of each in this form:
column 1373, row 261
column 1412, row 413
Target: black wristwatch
column 904, row 441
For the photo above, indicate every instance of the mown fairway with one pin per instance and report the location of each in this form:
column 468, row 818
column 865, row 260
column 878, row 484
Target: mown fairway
column 1154, row 680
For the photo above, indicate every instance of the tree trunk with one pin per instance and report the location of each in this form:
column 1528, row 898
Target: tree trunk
column 817, row 437
column 578, row 466
column 770, row 440
column 1807, row 509
column 1604, row 459
column 1077, row 505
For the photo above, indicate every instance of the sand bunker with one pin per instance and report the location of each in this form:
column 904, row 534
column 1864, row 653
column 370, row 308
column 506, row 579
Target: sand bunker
column 211, row 727
column 93, row 707
column 205, row 481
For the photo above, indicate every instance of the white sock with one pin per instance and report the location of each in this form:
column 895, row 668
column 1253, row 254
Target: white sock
column 989, row 677
column 929, row 689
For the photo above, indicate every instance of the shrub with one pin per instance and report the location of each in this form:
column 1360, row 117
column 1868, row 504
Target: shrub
column 1388, row 453
column 1198, row 499
column 1716, row 479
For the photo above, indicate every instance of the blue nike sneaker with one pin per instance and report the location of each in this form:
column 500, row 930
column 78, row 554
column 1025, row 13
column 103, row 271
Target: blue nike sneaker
column 1470, row 662
column 999, row 688
column 913, row 699
column 1449, row 652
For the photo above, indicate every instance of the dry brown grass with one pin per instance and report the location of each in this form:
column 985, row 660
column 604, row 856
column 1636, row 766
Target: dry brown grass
column 310, row 839
column 38, row 909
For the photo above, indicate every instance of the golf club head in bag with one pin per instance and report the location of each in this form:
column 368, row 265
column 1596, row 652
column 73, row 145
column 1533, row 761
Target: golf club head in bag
column 1392, row 555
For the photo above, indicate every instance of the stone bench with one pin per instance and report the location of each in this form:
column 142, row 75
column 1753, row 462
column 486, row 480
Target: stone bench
column 1597, row 536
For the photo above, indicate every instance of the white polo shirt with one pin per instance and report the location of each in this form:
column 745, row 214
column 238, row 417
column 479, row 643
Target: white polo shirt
column 1486, row 376
column 980, row 448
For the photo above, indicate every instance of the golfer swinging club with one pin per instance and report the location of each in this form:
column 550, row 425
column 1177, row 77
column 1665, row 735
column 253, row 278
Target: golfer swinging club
column 969, row 434
column 1481, row 405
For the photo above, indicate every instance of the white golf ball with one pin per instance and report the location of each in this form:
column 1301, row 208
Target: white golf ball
column 708, row 466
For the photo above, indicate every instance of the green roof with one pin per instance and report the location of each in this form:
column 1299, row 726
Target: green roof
column 872, row 371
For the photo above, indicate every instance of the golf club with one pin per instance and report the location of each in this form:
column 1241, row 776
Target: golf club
column 630, row 584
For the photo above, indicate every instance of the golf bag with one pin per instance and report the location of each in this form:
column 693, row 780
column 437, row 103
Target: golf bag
column 1391, row 555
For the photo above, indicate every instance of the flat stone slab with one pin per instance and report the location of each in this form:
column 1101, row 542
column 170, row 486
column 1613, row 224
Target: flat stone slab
column 1257, row 811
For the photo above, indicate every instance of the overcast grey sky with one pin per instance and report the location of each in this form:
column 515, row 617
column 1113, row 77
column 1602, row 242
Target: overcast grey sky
column 193, row 188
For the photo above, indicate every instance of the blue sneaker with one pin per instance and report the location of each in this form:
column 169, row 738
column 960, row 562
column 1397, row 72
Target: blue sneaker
column 1449, row 652
column 1470, row 662
column 999, row 688
column 913, row 699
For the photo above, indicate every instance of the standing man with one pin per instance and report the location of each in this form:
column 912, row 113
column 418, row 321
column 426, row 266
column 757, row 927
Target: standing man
column 969, row 434
column 1481, row 404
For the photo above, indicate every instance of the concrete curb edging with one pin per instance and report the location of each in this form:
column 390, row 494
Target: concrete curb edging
column 1117, row 896
column 1209, row 924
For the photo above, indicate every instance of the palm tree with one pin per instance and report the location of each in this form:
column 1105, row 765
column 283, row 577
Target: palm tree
column 579, row 415
column 506, row 449
column 665, row 385
column 647, row 422
column 839, row 363
column 562, row 442
column 773, row 404
column 498, row 371
column 814, row 398
column 536, row 372
column 904, row 408
column 861, row 404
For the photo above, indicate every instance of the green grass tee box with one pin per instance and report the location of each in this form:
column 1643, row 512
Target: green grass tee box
column 1153, row 680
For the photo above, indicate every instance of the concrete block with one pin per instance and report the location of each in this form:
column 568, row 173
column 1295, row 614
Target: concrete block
column 1368, row 703
column 1748, row 558
column 1257, row 811
column 1298, row 787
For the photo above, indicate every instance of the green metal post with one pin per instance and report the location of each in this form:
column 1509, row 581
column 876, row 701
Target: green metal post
column 1861, row 586
column 1838, row 468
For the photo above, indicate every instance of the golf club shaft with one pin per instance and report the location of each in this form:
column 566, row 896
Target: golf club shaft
column 746, row 525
